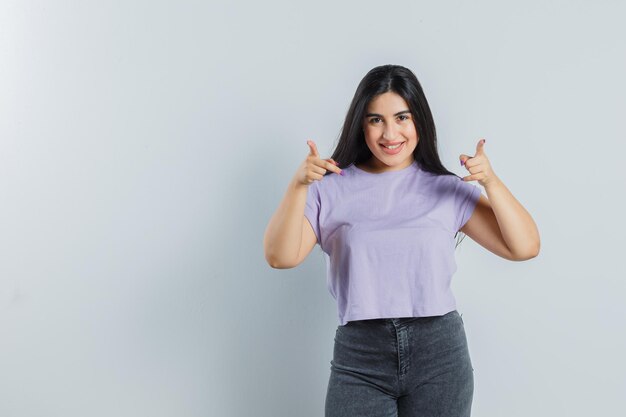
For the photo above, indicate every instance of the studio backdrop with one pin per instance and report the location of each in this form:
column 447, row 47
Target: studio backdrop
column 145, row 145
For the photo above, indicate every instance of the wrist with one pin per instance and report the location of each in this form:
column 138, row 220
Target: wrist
column 494, row 181
column 297, row 185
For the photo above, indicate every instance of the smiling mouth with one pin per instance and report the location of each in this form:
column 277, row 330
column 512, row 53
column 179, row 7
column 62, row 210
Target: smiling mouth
column 394, row 146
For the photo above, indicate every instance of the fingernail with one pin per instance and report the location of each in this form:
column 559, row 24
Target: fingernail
column 461, row 162
column 341, row 173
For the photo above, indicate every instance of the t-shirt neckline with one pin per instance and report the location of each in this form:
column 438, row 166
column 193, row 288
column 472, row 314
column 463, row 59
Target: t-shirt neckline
column 404, row 170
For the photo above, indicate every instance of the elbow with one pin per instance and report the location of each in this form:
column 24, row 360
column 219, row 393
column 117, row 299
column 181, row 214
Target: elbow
column 530, row 253
column 275, row 259
column 535, row 250
column 276, row 263
column 271, row 261
column 270, row 255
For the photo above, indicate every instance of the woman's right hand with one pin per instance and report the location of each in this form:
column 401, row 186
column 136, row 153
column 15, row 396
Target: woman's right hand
column 313, row 167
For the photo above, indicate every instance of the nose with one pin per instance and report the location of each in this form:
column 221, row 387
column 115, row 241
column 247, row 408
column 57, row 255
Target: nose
column 390, row 132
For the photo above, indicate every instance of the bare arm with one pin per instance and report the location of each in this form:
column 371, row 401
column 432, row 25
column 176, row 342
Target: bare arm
column 488, row 230
column 517, row 227
column 499, row 223
column 284, row 234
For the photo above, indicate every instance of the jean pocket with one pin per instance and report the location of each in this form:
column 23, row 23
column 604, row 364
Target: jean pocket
column 338, row 331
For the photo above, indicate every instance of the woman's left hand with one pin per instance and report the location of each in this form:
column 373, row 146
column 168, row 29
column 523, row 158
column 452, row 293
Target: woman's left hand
column 479, row 166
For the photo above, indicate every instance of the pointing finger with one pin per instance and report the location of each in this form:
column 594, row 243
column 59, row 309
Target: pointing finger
column 480, row 146
column 313, row 147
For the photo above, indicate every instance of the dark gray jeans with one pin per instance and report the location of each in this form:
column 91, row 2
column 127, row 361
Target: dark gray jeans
column 411, row 366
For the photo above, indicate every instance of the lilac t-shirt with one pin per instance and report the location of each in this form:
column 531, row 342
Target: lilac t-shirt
column 388, row 239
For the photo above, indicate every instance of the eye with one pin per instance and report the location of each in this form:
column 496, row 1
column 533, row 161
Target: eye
column 402, row 117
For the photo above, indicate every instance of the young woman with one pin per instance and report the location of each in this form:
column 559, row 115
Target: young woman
column 386, row 213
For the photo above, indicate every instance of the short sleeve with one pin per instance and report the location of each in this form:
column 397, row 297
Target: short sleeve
column 312, row 208
column 467, row 196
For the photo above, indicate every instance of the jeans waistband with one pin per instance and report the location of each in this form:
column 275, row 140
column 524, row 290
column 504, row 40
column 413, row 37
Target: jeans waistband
column 401, row 320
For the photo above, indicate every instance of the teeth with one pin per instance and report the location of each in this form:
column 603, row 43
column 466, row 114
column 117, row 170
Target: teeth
column 393, row 147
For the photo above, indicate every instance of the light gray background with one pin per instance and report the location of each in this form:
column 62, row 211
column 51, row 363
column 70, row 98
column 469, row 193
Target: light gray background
column 145, row 145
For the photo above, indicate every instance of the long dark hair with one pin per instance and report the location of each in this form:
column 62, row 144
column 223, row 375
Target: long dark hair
column 351, row 147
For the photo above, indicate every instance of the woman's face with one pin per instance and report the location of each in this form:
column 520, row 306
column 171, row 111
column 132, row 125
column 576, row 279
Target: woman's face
column 388, row 121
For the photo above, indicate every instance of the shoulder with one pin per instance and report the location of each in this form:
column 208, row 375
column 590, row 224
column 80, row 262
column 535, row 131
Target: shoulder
column 441, row 183
column 333, row 180
column 322, row 188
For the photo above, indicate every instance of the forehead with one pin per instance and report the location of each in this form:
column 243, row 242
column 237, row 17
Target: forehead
column 388, row 102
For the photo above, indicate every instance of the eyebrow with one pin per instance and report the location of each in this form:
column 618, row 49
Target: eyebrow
column 380, row 115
